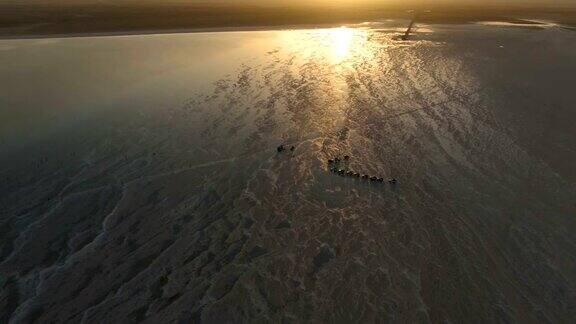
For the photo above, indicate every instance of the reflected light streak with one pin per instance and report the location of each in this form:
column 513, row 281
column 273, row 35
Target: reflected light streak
column 334, row 44
column 340, row 39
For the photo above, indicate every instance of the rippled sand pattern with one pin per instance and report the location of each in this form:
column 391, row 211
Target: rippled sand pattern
column 189, row 214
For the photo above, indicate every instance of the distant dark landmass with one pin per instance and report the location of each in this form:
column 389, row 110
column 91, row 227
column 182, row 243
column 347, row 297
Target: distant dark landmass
column 21, row 20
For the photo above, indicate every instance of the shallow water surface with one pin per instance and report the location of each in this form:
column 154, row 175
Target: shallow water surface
column 141, row 181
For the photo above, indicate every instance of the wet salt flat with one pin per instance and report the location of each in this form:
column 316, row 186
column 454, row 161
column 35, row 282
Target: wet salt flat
column 140, row 180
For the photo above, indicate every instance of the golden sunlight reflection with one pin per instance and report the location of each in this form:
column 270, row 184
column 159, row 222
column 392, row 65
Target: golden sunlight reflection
column 334, row 44
column 340, row 39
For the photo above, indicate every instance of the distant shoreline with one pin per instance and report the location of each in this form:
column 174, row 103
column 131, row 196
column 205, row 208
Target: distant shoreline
column 29, row 22
column 217, row 30
column 172, row 31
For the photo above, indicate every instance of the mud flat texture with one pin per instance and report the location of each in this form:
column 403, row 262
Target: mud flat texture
column 140, row 181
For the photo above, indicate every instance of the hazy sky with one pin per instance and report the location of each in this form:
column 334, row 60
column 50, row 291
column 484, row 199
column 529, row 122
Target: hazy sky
column 326, row 2
column 422, row 2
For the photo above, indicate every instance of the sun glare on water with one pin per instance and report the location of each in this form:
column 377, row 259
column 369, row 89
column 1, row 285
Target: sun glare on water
column 340, row 39
column 334, row 44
